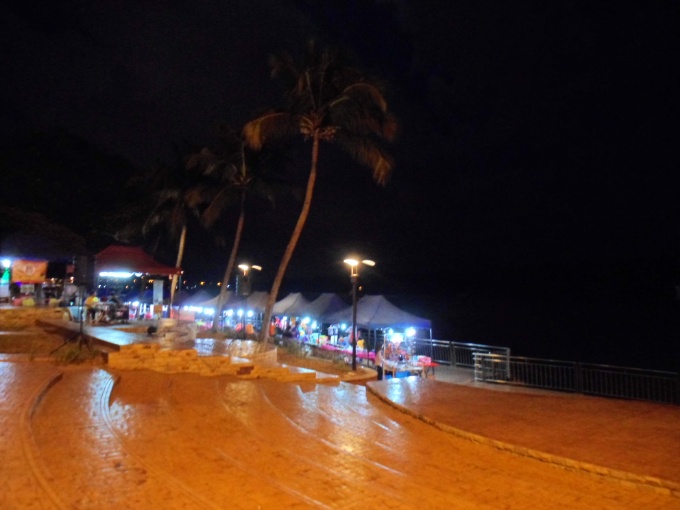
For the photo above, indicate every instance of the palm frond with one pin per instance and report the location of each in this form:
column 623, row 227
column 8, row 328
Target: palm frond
column 268, row 127
column 363, row 92
column 368, row 153
column 216, row 207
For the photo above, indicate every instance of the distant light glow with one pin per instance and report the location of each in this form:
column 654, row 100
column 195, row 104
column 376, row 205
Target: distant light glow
column 245, row 268
column 116, row 274
column 6, row 263
column 410, row 332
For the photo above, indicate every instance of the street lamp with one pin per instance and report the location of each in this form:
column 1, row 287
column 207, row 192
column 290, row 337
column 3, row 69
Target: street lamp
column 354, row 278
column 243, row 288
column 242, row 282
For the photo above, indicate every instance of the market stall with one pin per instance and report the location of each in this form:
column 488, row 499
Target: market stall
column 399, row 358
column 378, row 317
column 129, row 269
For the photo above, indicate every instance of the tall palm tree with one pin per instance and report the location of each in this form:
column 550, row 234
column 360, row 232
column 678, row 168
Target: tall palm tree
column 227, row 181
column 230, row 176
column 174, row 202
column 327, row 101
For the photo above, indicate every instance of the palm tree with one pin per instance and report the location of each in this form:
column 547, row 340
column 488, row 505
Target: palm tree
column 327, row 101
column 174, row 202
column 227, row 183
column 230, row 175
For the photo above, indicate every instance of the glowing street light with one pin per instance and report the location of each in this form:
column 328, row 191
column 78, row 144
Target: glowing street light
column 245, row 268
column 242, row 281
column 354, row 278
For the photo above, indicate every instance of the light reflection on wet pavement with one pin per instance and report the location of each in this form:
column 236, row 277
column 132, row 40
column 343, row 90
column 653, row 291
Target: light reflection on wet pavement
column 184, row 441
column 215, row 346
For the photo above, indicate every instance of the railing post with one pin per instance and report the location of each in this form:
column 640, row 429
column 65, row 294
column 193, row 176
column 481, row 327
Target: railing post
column 506, row 355
column 452, row 348
column 578, row 378
column 477, row 362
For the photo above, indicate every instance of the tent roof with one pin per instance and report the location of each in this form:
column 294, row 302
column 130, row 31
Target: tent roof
column 377, row 312
column 326, row 304
column 132, row 259
column 212, row 302
column 198, row 298
column 294, row 304
column 256, row 301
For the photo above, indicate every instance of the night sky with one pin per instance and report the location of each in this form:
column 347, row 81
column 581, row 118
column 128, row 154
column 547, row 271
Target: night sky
column 538, row 144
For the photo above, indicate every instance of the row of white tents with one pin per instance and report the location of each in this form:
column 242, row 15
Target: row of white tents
column 373, row 311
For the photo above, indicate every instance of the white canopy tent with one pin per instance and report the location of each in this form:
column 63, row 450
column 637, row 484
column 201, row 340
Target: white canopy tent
column 256, row 301
column 376, row 312
column 293, row 305
column 326, row 304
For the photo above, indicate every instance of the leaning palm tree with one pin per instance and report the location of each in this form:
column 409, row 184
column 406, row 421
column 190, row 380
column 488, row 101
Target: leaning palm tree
column 331, row 102
column 227, row 181
column 230, row 175
column 174, row 203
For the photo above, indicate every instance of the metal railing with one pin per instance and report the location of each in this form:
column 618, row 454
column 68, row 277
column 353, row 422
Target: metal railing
column 452, row 353
column 585, row 378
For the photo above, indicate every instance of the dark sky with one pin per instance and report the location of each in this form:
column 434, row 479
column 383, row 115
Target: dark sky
column 534, row 134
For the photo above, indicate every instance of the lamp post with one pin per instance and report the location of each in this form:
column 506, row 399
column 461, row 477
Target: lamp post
column 242, row 283
column 354, row 278
column 243, row 288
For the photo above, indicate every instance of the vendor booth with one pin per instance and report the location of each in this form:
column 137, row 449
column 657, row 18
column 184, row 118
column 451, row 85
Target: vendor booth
column 245, row 312
column 377, row 315
column 129, row 269
column 237, row 313
column 290, row 316
column 384, row 324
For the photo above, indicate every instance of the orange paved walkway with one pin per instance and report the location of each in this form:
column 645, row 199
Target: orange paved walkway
column 630, row 440
column 92, row 438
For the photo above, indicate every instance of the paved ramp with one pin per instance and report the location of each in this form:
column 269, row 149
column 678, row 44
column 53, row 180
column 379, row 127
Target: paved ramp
column 142, row 439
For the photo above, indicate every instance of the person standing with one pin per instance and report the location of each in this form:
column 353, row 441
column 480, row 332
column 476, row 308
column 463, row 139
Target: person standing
column 379, row 361
column 91, row 306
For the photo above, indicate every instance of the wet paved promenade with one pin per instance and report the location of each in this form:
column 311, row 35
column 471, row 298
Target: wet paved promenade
column 89, row 438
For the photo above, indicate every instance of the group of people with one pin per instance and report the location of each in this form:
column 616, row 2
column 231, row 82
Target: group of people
column 92, row 306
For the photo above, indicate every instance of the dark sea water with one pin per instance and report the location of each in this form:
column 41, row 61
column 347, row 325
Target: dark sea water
column 631, row 327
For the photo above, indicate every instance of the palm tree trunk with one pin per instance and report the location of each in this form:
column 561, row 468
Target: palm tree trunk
column 180, row 256
column 221, row 300
column 292, row 243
